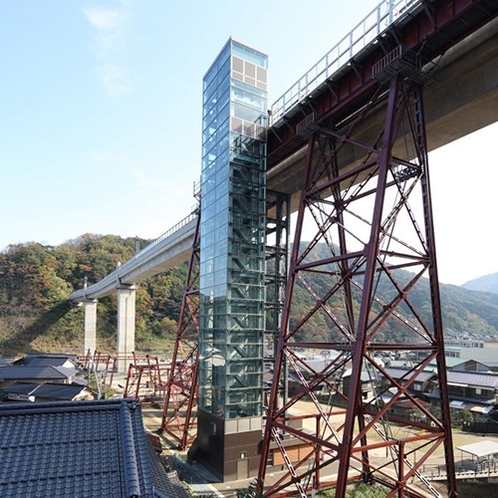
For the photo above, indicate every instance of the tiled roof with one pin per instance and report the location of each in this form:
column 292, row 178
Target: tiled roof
column 166, row 482
column 398, row 373
column 472, row 379
column 46, row 358
column 75, row 449
column 41, row 372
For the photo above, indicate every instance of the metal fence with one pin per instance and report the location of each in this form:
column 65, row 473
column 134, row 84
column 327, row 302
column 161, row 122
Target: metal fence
column 365, row 32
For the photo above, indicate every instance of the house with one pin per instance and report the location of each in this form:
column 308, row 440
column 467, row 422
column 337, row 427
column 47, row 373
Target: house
column 420, row 385
column 37, row 374
column 368, row 380
column 48, row 359
column 80, row 448
column 470, row 365
column 477, row 392
column 49, row 391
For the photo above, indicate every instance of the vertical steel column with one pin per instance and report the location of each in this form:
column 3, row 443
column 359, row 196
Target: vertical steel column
column 434, row 289
column 181, row 388
column 276, row 256
column 359, row 345
column 280, row 361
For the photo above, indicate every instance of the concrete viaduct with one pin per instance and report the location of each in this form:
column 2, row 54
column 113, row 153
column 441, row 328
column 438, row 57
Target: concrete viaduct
column 462, row 99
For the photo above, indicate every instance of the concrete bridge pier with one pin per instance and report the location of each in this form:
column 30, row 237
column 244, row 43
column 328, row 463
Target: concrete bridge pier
column 126, row 325
column 90, row 339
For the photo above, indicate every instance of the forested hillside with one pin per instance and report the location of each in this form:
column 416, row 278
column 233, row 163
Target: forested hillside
column 36, row 281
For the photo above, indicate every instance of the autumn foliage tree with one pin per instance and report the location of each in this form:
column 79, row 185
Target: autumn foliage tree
column 37, row 280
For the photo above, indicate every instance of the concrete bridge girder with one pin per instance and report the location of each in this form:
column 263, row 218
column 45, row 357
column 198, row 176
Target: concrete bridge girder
column 164, row 255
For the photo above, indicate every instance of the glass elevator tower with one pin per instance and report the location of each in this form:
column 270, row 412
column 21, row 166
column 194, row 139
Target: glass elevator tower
column 232, row 271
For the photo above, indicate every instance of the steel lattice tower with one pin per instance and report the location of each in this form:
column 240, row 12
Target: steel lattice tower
column 180, row 400
column 370, row 256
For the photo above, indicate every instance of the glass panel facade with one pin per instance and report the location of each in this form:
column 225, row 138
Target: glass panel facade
column 233, row 213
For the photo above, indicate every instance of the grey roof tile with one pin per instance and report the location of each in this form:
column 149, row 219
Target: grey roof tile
column 398, row 373
column 40, row 372
column 167, row 484
column 46, row 358
column 52, row 390
column 74, row 449
column 473, row 379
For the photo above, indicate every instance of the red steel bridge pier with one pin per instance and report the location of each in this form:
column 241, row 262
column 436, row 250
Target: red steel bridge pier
column 375, row 219
column 180, row 399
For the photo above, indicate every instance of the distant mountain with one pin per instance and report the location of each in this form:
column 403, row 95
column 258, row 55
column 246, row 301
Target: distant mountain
column 487, row 283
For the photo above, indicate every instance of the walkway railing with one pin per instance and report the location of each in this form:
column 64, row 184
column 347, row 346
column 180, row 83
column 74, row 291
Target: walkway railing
column 165, row 235
column 463, row 468
column 374, row 24
column 111, row 278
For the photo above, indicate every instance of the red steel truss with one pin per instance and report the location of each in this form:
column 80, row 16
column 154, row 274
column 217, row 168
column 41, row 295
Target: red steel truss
column 104, row 364
column 146, row 379
column 371, row 255
column 180, row 398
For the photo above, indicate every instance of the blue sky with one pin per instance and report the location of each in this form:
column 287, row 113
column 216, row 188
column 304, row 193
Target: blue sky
column 100, row 114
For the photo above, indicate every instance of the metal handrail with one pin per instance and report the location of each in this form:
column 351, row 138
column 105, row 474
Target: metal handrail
column 165, row 235
column 115, row 275
column 365, row 32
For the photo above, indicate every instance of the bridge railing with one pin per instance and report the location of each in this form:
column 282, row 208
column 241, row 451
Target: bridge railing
column 111, row 278
column 165, row 235
column 372, row 26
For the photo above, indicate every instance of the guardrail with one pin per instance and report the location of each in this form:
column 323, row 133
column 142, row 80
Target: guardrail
column 463, row 468
column 165, row 235
column 112, row 277
column 365, row 32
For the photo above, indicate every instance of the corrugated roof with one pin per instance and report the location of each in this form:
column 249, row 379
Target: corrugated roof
column 51, row 390
column 21, row 388
column 59, row 361
column 58, row 391
column 480, row 449
column 67, row 449
column 51, row 358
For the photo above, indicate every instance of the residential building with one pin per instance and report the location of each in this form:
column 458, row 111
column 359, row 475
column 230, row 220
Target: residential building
column 48, row 391
column 38, row 374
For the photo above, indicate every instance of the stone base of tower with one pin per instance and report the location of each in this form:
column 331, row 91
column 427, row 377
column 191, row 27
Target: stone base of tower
column 228, row 448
